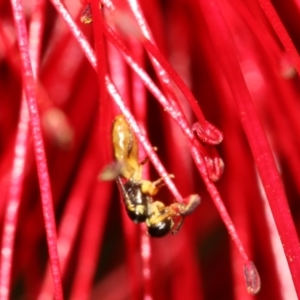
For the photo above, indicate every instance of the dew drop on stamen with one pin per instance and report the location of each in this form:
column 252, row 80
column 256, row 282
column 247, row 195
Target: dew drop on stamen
column 252, row 278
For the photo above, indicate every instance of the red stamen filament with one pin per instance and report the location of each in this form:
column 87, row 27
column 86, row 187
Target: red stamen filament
column 30, row 93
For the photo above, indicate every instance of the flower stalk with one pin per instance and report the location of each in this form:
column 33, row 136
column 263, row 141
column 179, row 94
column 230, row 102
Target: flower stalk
column 30, row 94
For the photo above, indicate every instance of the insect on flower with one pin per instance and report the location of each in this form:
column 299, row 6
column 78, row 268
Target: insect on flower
column 138, row 193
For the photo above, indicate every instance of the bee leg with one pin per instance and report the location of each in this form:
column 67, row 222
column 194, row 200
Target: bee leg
column 157, row 213
column 151, row 188
column 164, row 219
column 178, row 225
column 156, row 208
column 147, row 187
column 160, row 182
column 144, row 161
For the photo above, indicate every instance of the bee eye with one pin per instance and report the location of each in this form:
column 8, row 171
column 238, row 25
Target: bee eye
column 161, row 228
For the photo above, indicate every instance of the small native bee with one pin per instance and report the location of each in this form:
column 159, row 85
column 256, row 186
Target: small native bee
column 138, row 193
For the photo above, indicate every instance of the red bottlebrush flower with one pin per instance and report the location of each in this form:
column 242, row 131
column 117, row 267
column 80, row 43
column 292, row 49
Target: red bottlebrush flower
column 209, row 93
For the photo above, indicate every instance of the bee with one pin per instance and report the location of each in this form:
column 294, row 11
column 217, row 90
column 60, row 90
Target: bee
column 138, row 193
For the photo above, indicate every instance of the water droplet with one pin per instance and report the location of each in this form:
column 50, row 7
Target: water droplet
column 252, row 278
